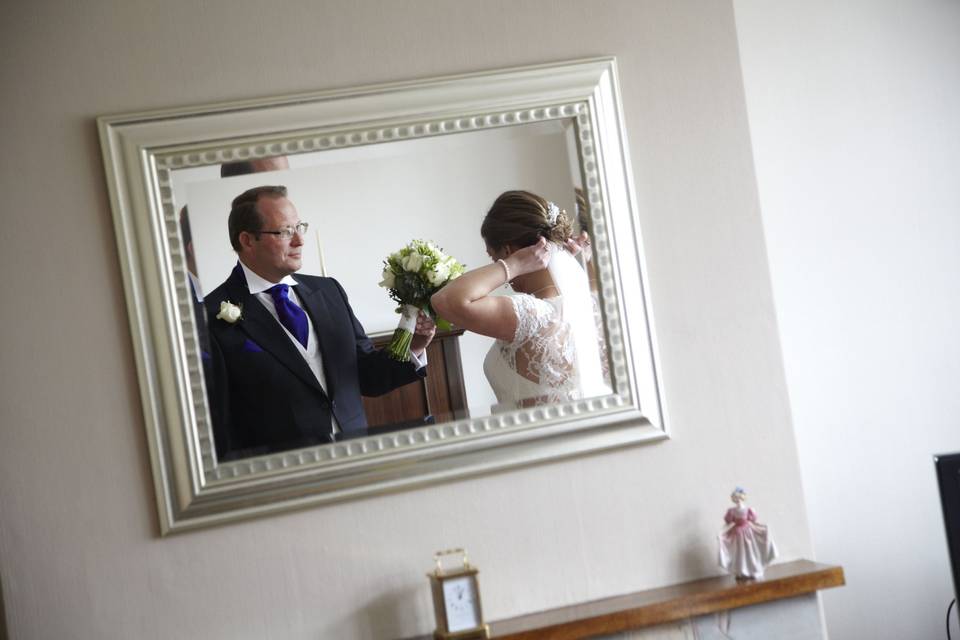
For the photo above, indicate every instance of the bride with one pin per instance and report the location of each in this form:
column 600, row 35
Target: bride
column 548, row 346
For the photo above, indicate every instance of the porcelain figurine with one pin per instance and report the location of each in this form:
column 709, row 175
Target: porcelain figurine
column 746, row 546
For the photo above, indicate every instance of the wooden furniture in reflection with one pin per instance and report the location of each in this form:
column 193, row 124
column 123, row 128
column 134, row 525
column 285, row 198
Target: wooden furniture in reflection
column 441, row 394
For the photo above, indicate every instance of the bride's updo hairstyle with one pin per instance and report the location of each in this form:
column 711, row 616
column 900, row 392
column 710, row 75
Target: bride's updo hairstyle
column 520, row 218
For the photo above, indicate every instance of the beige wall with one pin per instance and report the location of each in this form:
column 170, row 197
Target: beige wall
column 79, row 552
column 853, row 115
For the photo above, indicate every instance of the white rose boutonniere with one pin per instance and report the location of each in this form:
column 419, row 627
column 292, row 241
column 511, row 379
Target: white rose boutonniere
column 229, row 312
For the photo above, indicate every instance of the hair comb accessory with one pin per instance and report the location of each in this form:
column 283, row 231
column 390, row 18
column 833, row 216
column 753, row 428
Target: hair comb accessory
column 553, row 211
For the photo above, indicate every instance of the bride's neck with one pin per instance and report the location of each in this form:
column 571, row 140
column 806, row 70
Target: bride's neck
column 538, row 283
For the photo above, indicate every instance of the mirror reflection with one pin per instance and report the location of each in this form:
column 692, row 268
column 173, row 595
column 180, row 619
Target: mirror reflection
column 292, row 317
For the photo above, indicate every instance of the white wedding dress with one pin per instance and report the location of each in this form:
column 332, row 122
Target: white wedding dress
column 557, row 353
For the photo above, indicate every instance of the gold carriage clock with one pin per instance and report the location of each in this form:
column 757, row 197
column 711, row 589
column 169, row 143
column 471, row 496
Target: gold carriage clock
column 456, row 599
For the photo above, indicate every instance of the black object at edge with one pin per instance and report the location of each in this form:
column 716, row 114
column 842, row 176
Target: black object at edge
column 948, row 479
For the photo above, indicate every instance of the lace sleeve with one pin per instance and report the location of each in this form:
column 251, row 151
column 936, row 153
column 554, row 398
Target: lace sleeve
column 540, row 352
column 532, row 318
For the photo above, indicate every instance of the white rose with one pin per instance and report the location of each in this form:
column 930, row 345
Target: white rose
column 413, row 262
column 439, row 274
column 229, row 312
column 389, row 280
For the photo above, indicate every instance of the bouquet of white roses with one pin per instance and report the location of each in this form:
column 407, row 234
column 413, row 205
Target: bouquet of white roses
column 411, row 275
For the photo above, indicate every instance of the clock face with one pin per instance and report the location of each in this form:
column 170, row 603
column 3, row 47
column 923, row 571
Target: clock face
column 460, row 600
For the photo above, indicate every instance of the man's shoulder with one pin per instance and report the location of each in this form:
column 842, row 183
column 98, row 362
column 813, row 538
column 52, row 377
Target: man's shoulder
column 213, row 299
column 304, row 277
column 317, row 283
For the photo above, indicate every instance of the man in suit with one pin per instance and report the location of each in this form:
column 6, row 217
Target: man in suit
column 196, row 293
column 289, row 369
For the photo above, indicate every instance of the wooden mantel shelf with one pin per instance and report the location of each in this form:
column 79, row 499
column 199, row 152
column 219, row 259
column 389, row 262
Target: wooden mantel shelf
column 667, row 604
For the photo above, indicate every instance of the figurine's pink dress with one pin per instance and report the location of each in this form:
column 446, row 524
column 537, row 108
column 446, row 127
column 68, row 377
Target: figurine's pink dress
column 746, row 547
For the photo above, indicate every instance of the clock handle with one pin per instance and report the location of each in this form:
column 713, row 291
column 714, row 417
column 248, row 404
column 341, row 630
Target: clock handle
column 437, row 558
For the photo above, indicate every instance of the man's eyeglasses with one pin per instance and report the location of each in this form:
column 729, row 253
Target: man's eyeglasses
column 287, row 232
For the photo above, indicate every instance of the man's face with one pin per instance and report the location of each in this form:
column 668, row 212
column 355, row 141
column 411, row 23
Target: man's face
column 270, row 256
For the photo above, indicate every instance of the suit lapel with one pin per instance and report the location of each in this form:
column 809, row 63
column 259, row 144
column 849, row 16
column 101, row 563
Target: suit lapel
column 264, row 329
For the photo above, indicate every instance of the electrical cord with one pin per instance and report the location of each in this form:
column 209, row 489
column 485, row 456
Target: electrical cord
column 952, row 602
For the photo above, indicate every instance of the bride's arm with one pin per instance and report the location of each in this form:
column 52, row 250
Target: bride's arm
column 467, row 303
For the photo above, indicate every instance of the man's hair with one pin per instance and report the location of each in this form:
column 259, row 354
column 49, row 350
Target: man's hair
column 244, row 214
column 243, row 167
column 185, row 233
column 238, row 168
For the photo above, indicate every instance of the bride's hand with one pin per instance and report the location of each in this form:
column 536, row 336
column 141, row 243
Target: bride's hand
column 529, row 259
column 580, row 244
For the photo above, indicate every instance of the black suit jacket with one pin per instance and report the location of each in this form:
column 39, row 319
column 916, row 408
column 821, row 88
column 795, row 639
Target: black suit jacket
column 264, row 397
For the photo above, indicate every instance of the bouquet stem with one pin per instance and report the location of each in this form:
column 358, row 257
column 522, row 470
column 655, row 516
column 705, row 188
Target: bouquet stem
column 399, row 348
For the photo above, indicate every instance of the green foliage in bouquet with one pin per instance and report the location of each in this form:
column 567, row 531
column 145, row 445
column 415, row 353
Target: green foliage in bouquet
column 411, row 275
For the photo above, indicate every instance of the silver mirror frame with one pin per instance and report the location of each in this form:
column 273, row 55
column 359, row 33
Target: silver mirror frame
column 140, row 151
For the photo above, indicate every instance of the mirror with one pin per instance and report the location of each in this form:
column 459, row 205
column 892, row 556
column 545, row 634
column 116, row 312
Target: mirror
column 362, row 203
column 370, row 169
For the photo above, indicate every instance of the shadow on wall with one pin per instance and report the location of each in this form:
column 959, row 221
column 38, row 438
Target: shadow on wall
column 383, row 615
column 692, row 556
